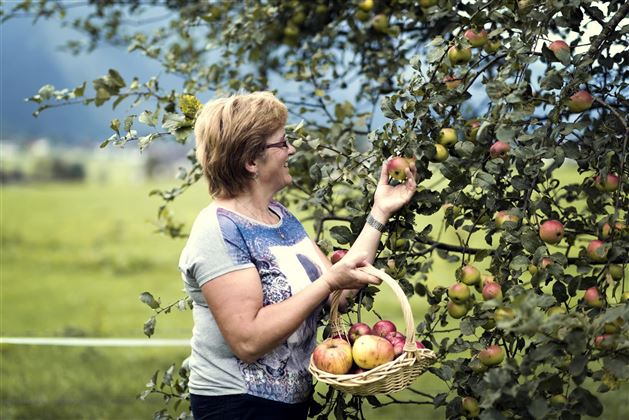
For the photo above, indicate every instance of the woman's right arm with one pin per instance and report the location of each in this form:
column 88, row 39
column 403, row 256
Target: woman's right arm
column 251, row 329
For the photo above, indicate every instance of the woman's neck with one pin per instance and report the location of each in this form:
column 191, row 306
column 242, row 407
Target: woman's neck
column 252, row 205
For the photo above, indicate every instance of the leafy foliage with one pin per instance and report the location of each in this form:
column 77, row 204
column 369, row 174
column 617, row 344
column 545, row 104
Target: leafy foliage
column 352, row 65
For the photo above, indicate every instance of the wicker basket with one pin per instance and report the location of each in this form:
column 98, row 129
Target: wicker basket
column 390, row 377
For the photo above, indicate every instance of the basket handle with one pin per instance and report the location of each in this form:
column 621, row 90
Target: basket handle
column 399, row 294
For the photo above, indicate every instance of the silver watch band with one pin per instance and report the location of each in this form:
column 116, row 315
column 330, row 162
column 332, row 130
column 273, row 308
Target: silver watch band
column 371, row 221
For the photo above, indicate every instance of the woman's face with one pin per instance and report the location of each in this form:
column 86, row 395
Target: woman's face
column 273, row 164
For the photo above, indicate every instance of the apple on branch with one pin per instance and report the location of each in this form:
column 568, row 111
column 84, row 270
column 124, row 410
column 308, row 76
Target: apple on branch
column 366, row 5
column 459, row 293
column 580, row 101
column 333, row 355
column 380, row 23
column 492, row 46
column 592, row 298
column 441, row 153
column 491, row 356
column 606, row 229
column 500, row 149
column 470, row 275
column 470, row 407
column 476, row 38
column 491, row 291
column 458, row 55
column 551, row 231
column 502, row 216
column 597, row 250
column 456, row 310
column 561, row 50
column 447, row 137
column 609, row 184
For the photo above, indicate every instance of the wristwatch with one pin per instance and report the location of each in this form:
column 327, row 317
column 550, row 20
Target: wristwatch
column 371, row 221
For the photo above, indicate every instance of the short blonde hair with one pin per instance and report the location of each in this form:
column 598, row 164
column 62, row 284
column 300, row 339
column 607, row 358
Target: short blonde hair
column 231, row 132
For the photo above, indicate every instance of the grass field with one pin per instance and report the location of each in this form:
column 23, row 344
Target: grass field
column 74, row 259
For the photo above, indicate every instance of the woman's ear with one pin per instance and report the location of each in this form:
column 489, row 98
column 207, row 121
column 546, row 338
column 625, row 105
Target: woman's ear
column 252, row 168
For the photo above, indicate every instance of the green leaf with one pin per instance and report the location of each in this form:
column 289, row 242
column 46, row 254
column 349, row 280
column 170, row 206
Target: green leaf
column 149, row 326
column 342, row 234
column 148, row 299
column 539, row 408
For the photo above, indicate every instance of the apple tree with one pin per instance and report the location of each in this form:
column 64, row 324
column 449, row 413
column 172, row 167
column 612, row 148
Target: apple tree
column 515, row 113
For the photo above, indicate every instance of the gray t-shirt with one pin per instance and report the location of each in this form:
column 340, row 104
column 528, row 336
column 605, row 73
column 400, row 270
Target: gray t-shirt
column 222, row 241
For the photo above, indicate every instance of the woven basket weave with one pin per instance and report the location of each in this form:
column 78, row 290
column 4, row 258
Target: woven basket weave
column 390, row 377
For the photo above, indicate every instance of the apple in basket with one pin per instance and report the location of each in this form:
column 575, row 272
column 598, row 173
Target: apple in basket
column 356, row 330
column 370, row 351
column 383, row 327
column 333, row 355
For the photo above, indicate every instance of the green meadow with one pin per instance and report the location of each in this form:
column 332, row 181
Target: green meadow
column 74, row 259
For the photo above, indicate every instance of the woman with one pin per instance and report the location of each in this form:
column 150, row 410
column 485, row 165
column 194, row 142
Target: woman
column 257, row 281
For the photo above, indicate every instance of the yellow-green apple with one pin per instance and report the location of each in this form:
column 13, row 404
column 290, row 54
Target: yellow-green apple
column 492, row 46
column 428, row 3
column 504, row 313
column 551, row 231
column 624, row 297
column 580, row 101
column 559, row 47
column 499, row 149
column 337, row 255
column 470, row 275
column 459, row 293
column 471, row 130
column 476, row 38
column 456, row 310
column 291, row 31
column 614, row 326
column 492, row 355
column 334, row 356
column 502, row 216
column 491, row 291
column 470, row 407
column 458, row 55
column 380, row 23
column 592, row 298
column 477, row 366
column 365, row 5
column 615, row 271
column 370, row 351
column 555, row 310
column 597, row 250
column 356, row 330
column 397, row 166
column 441, row 153
column 383, row 327
column 610, row 184
column 451, row 81
column 447, row 136
column 558, row 400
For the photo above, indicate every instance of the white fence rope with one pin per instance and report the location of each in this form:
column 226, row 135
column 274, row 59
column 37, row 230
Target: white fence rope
column 95, row 342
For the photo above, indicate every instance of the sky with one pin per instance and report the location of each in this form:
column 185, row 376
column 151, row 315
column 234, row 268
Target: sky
column 30, row 57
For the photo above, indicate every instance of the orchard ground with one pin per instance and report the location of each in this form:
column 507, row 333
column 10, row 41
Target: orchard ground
column 74, row 259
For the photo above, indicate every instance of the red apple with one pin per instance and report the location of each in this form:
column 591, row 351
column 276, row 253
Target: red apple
column 356, row 330
column 459, row 293
column 333, row 356
column 452, row 82
column 606, row 230
column 558, row 47
column 609, row 185
column 456, row 310
column 447, row 136
column 383, row 327
column 597, row 251
column 391, row 335
column 492, row 291
column 580, row 101
column 604, row 342
column 470, row 275
column 398, row 345
column 500, row 149
column 419, row 344
column 476, row 38
column 592, row 298
column 470, row 407
column 551, row 231
column 397, row 166
column 337, row 255
column 370, row 351
column 492, row 355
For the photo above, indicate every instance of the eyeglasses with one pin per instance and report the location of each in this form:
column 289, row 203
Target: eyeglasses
column 280, row 144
